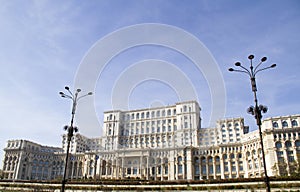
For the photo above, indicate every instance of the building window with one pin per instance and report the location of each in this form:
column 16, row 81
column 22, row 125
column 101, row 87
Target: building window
column 232, row 156
column 169, row 112
column 291, row 159
column 279, row 153
column 278, row 145
column 294, row 123
column 197, row 169
column 166, row 170
column 158, row 114
column 211, row 169
column 184, row 108
column 288, row 144
column 284, row 124
column 239, row 155
column 180, row 169
column 241, row 168
column 225, row 168
column 218, row 169
column 275, row 124
column 158, row 129
column 185, row 124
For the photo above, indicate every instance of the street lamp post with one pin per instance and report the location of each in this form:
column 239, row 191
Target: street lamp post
column 70, row 129
column 257, row 110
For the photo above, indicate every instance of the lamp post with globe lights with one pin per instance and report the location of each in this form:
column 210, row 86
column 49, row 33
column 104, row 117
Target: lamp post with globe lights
column 256, row 110
column 70, row 129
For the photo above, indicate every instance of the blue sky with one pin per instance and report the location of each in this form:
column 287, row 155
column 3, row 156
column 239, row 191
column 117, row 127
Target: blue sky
column 44, row 43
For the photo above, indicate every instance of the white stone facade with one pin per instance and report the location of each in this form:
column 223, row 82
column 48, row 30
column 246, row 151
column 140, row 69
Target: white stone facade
column 27, row 160
column 168, row 143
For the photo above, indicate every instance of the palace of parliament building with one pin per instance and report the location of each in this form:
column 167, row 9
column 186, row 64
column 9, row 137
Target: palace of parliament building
column 162, row 143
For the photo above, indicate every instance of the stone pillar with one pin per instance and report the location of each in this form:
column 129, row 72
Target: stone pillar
column 285, row 156
column 147, row 169
column 72, row 170
column 245, row 165
column 117, row 168
column 140, row 172
column 161, row 168
column 237, row 167
column 229, row 168
column 85, row 167
column 189, row 166
column 122, row 168
column 106, row 168
column 222, row 167
column 171, row 167
column 98, row 167
column 214, row 168
column 200, row 169
column 207, row 168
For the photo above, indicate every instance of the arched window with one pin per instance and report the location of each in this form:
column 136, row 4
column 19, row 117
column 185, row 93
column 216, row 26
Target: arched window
column 163, row 113
column 203, row 160
column 147, row 115
column 278, row 145
column 275, row 124
column 152, row 114
column 288, row 144
column 248, row 154
column 294, row 123
column 179, row 159
column 297, row 143
column 169, row 112
column 240, row 155
column 137, row 116
column 142, row 115
column 157, row 113
column 284, row 124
